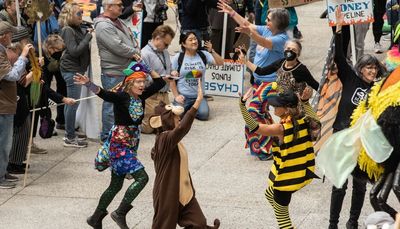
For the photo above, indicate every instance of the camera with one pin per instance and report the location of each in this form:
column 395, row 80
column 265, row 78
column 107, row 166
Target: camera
column 160, row 13
column 86, row 25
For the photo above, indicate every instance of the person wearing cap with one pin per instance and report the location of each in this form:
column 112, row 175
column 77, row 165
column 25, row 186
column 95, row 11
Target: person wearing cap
column 9, row 74
column 123, row 140
column 174, row 198
column 292, row 150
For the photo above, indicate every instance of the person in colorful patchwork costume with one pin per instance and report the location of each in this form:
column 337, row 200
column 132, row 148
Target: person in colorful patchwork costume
column 119, row 151
column 174, row 197
column 293, row 152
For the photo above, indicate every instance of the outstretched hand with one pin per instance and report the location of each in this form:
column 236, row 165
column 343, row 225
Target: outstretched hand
column 80, row 79
column 199, row 90
column 247, row 95
column 339, row 17
column 224, row 7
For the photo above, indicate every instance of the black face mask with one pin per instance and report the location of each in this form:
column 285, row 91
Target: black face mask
column 290, row 55
column 57, row 55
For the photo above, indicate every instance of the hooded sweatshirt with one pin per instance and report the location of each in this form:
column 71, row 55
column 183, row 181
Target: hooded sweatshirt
column 115, row 43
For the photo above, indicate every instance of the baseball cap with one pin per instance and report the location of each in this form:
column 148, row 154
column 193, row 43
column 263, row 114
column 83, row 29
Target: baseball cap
column 284, row 99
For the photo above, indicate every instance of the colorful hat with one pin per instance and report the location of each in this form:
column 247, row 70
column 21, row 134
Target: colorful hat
column 136, row 67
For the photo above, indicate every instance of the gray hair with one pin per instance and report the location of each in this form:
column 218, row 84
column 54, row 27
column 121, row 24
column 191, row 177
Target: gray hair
column 368, row 59
column 107, row 2
column 280, row 18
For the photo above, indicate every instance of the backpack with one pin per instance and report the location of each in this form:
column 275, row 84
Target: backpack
column 182, row 56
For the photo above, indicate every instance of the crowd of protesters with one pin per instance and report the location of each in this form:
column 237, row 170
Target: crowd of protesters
column 273, row 54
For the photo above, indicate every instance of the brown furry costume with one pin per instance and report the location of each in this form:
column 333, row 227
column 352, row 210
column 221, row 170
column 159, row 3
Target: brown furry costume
column 174, row 198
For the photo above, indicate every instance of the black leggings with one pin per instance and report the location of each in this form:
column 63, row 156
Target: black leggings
column 379, row 11
column 141, row 179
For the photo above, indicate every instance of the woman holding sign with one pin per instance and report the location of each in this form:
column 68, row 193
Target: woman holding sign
column 270, row 41
column 191, row 65
column 356, row 83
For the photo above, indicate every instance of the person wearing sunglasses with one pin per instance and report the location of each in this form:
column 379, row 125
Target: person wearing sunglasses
column 76, row 59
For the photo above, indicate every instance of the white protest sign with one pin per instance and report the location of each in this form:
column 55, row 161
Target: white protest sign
column 224, row 80
column 355, row 11
column 135, row 23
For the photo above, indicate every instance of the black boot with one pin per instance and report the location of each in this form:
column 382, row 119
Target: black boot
column 216, row 224
column 96, row 218
column 119, row 215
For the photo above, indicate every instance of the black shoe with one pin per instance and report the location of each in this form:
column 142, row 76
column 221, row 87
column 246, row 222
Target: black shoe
column 297, row 33
column 60, row 126
column 209, row 97
column 96, row 219
column 351, row 225
column 322, row 16
column 333, row 226
column 10, row 178
column 15, row 169
column 119, row 215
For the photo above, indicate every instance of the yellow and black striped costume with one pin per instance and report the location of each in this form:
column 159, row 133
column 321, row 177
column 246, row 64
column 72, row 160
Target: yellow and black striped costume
column 293, row 168
column 294, row 164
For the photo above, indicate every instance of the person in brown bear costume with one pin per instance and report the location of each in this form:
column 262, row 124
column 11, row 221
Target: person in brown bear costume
column 174, row 198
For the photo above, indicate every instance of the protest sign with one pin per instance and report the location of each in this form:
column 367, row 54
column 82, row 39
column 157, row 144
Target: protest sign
column 355, row 12
column 135, row 23
column 87, row 6
column 224, row 80
column 288, row 3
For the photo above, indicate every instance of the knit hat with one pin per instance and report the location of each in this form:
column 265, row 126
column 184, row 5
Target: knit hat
column 164, row 116
column 135, row 75
column 380, row 219
column 21, row 33
column 6, row 27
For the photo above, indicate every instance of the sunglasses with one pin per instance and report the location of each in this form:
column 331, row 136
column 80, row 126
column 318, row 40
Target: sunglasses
column 79, row 13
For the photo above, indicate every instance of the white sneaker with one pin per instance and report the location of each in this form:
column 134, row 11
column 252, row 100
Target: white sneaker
column 378, row 48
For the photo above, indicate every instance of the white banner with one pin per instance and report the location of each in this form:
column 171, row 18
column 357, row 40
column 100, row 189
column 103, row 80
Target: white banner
column 224, row 80
column 355, row 11
column 135, row 23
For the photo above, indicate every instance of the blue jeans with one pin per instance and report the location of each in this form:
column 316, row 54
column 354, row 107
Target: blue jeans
column 107, row 112
column 202, row 112
column 73, row 91
column 6, row 133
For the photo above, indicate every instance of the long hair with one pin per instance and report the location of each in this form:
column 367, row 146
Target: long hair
column 295, row 114
column 66, row 14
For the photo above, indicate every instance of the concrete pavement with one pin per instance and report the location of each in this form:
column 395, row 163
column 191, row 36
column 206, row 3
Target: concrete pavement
column 63, row 188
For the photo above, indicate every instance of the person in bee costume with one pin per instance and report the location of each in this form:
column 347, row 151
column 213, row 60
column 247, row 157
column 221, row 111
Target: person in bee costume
column 174, row 198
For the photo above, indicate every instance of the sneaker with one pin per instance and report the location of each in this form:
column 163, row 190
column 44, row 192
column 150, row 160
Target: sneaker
column 6, row 184
column 10, row 178
column 75, row 143
column 60, row 126
column 378, row 48
column 36, row 150
column 80, row 137
column 265, row 157
column 297, row 33
column 15, row 169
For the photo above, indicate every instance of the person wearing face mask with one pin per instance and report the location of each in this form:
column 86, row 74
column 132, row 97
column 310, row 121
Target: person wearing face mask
column 356, row 82
column 53, row 48
column 76, row 59
column 292, row 75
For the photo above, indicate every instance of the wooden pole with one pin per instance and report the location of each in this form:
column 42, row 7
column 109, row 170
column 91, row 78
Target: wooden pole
column 353, row 45
column 28, row 155
column 18, row 13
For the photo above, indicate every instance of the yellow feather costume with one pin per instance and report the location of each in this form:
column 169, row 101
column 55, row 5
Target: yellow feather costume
column 383, row 94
